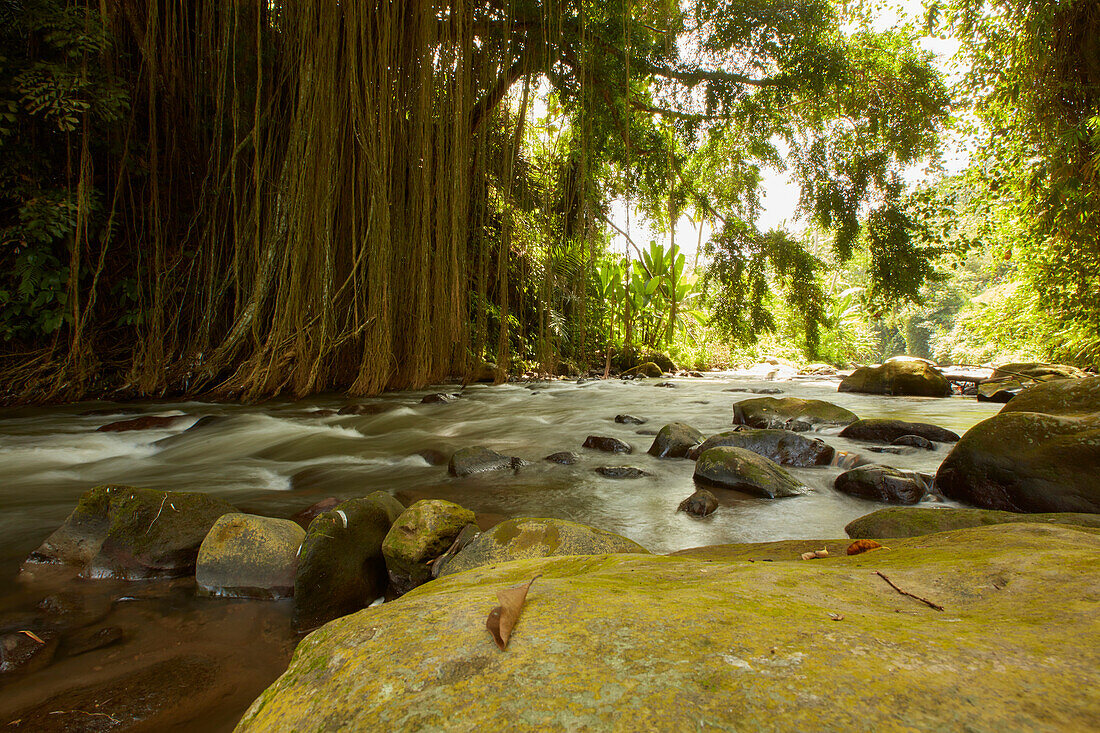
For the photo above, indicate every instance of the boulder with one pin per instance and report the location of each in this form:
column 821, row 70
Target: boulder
column 884, row 430
column 645, row 369
column 433, row 456
column 525, row 538
column 915, row 521
column 915, row 378
column 248, row 556
column 146, row 422
column 311, row 512
column 662, row 360
column 782, row 446
column 1037, row 371
column 340, row 566
column 630, row 420
column 702, row 503
column 675, row 440
column 132, row 534
column 636, row 642
column 742, row 470
column 791, row 413
column 627, row 472
column 914, row 441
column 22, row 654
column 418, row 537
column 440, row 398
column 1063, row 397
column 1000, row 390
column 564, row 458
column 1026, row 462
column 606, row 444
column 883, row 483
column 818, row 369
column 468, row 461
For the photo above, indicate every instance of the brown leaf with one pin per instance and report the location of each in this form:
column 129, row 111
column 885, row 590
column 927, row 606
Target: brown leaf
column 823, row 552
column 836, row 616
column 502, row 619
column 861, row 546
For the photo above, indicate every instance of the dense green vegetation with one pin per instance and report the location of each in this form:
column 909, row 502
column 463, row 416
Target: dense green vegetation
column 257, row 198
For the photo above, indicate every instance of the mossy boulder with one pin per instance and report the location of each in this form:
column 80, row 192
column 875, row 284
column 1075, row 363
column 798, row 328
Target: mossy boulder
column 645, row 369
column 341, row 568
column 607, row 444
column 675, row 440
column 1062, row 397
column 524, row 538
column 1026, row 462
column 791, row 413
column 248, row 556
column 702, row 503
column 782, row 446
column 884, row 430
column 478, row 459
column 1038, row 371
column 726, row 467
column 638, row 642
column 915, row 521
column 883, row 483
column 421, row 534
column 911, row 378
column 132, row 534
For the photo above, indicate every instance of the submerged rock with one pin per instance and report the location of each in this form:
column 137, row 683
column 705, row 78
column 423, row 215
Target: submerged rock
column 525, row 538
column 743, row 646
column 790, row 413
column 914, row 441
column 630, row 420
column 915, row 521
column 146, row 422
column 883, row 483
column 248, row 556
column 626, row 472
column 132, row 534
column 88, row 640
column 702, row 503
column 606, row 444
column 418, row 537
column 675, row 440
column 468, row 461
column 440, row 398
column 887, row 430
column 914, row 378
column 21, row 653
column 340, row 567
column 564, row 458
column 782, row 446
column 742, row 470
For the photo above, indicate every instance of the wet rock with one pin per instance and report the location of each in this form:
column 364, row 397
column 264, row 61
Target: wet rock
column 433, row 456
column 883, row 483
column 439, row 398
column 819, row 369
column 307, row 515
column 146, row 422
column 71, row 609
column 742, row 470
column 914, row 441
column 790, row 413
column 887, row 430
column 1000, row 390
column 630, row 420
column 524, row 538
column 132, row 534
column 915, row 378
column 422, row 533
column 1038, row 371
column 1027, row 462
column 565, row 458
column 248, row 556
column 88, row 640
column 606, row 444
column 917, row 521
column 702, row 503
column 341, row 568
column 894, row 450
column 1075, row 397
column 468, row 461
column 468, row 534
column 1015, row 652
column 665, row 384
column 21, row 653
column 697, row 375
column 782, row 446
column 675, row 440
column 624, row 472
column 646, row 431
column 365, row 408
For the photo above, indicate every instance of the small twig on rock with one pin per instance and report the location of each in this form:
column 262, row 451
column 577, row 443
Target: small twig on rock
column 158, row 514
column 925, row 601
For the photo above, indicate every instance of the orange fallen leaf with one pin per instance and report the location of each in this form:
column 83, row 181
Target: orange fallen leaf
column 33, row 636
column 861, row 546
column 502, row 619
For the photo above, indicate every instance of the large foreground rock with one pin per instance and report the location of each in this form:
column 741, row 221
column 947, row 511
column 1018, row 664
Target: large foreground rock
column 422, row 533
column 341, row 568
column 517, row 539
column 885, row 430
column 913, row 522
column 635, row 642
column 1063, row 397
column 791, row 413
column 1026, row 462
column 727, row 467
column 782, row 446
column 132, row 534
column 248, row 556
column 911, row 378
column 675, row 440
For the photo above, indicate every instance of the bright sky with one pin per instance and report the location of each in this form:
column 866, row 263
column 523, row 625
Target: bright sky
column 780, row 199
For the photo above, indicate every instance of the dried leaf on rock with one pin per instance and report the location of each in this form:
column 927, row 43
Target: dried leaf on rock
column 836, row 616
column 502, row 619
column 823, row 552
column 861, row 546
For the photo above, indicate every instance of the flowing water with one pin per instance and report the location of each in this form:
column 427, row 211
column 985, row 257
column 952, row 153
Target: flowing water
column 279, row 457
